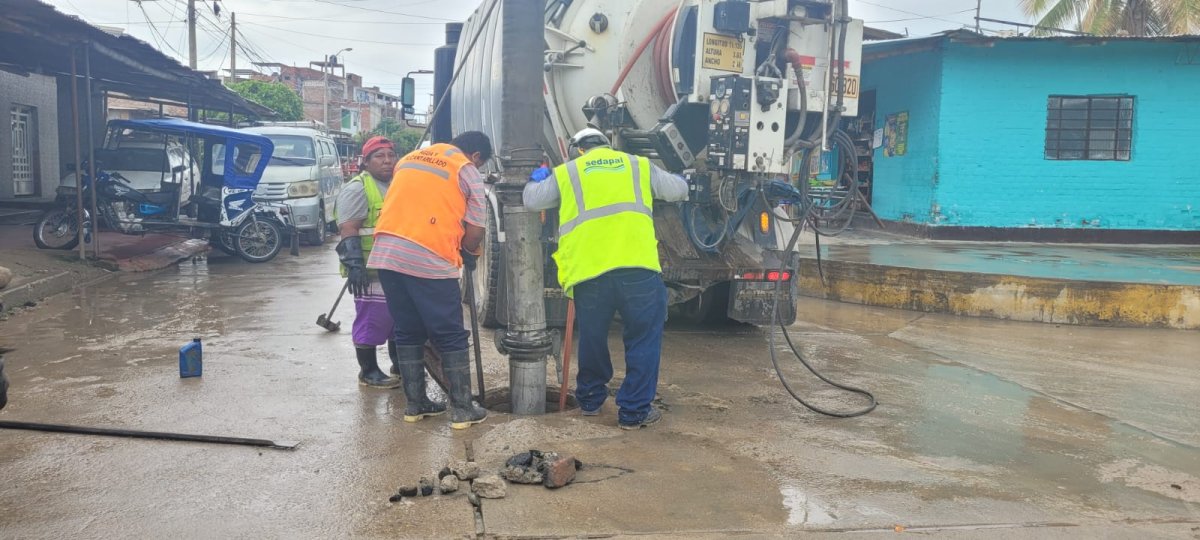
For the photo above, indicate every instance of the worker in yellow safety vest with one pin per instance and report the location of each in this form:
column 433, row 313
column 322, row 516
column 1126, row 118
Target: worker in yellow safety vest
column 608, row 263
column 356, row 212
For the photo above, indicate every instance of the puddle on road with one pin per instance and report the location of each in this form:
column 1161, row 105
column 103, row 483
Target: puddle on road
column 803, row 509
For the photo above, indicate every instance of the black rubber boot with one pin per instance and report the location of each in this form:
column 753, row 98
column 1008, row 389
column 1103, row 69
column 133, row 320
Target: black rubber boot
column 409, row 361
column 369, row 373
column 463, row 411
column 392, row 354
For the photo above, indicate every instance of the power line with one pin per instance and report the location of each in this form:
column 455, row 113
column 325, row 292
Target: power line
column 158, row 37
column 335, row 21
column 919, row 15
column 340, row 38
column 383, row 11
column 218, row 48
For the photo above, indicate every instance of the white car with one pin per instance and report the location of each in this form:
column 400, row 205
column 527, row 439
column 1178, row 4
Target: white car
column 304, row 171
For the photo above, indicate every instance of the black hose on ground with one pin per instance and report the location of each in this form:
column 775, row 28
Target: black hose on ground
column 780, row 297
column 807, row 214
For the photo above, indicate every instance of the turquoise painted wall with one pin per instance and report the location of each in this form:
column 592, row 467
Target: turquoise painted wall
column 904, row 185
column 993, row 172
column 989, row 167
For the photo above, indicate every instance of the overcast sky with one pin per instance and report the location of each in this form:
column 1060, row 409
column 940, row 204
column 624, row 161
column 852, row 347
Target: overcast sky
column 393, row 37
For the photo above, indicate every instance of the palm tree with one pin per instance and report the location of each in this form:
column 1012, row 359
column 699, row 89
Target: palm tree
column 1116, row 17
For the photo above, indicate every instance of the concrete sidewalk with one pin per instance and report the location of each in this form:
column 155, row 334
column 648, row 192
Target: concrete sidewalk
column 1090, row 284
column 38, row 273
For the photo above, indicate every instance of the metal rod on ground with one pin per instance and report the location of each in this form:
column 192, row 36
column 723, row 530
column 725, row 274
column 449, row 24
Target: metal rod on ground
column 469, row 277
column 79, row 230
column 159, row 435
column 566, row 355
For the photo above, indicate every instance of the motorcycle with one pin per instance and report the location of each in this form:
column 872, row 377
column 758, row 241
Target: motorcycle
column 221, row 205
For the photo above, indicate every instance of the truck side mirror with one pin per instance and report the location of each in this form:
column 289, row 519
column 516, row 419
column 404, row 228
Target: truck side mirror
column 408, row 93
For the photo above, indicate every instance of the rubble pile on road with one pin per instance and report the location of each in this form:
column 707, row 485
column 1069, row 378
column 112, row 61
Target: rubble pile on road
column 448, row 480
column 547, row 468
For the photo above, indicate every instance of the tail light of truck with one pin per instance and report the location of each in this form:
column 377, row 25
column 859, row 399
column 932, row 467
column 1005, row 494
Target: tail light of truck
column 764, row 276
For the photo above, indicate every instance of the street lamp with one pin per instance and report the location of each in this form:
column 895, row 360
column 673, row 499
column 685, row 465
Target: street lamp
column 325, row 82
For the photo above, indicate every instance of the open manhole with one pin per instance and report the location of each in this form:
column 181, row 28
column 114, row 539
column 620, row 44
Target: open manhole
column 499, row 400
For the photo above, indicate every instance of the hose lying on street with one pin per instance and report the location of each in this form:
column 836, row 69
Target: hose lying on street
column 779, row 297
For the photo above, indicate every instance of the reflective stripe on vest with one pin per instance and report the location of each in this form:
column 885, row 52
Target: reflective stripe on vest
column 606, row 218
column 425, row 204
column 639, row 205
column 374, row 206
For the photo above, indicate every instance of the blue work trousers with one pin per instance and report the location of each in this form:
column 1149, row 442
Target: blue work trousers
column 425, row 309
column 641, row 298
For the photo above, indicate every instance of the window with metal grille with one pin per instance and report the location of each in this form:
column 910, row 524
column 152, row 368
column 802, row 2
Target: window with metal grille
column 1089, row 127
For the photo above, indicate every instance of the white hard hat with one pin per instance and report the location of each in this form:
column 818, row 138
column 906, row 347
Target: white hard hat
column 589, row 137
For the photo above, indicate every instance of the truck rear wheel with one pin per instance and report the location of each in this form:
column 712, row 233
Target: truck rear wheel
column 488, row 278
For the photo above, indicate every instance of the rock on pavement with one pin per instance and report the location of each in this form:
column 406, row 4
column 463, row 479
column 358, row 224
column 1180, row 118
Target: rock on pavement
column 490, row 486
column 559, row 472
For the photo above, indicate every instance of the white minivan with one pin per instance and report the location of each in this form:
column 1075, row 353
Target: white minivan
column 306, row 172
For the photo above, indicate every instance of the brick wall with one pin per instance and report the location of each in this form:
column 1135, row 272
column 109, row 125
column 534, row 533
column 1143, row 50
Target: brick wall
column 993, row 171
column 904, row 184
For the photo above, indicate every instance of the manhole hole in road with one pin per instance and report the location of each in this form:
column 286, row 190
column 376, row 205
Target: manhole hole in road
column 499, row 400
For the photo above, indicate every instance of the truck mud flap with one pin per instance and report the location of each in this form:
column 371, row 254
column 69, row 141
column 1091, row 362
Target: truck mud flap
column 753, row 302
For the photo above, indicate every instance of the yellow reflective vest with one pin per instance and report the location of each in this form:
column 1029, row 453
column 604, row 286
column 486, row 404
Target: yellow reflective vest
column 606, row 219
column 366, row 234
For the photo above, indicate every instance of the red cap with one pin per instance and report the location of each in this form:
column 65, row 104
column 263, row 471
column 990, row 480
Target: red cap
column 377, row 142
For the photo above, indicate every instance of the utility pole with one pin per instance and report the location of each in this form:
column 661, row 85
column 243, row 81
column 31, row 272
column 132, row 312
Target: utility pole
column 978, row 4
column 233, row 47
column 191, row 20
column 526, row 340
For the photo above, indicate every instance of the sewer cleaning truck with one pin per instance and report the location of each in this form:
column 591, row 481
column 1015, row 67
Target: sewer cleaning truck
column 740, row 98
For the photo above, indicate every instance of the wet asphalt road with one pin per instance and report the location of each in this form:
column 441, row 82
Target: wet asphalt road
column 985, row 429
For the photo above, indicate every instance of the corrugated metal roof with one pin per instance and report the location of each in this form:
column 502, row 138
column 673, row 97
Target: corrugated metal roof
column 35, row 37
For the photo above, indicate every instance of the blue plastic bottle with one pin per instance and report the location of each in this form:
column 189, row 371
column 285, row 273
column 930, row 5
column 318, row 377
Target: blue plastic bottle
column 191, row 359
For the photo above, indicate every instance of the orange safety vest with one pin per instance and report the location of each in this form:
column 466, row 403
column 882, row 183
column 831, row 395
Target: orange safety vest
column 425, row 204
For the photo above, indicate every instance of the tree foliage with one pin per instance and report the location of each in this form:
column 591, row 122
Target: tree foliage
column 405, row 138
column 276, row 96
column 1116, row 17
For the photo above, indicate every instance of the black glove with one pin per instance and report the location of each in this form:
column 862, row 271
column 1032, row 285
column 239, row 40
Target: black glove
column 350, row 252
column 470, row 260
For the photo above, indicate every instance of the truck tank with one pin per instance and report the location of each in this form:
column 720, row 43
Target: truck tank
column 731, row 94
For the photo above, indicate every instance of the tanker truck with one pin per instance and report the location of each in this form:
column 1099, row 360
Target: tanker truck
column 740, row 98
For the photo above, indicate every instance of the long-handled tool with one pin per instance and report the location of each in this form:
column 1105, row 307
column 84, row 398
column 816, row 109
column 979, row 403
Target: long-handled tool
column 109, row 432
column 566, row 355
column 326, row 321
column 469, row 277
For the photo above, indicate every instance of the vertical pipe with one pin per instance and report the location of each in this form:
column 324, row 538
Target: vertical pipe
column 91, row 142
column 232, row 47
column 526, row 338
column 325, row 92
column 78, row 169
column 191, row 19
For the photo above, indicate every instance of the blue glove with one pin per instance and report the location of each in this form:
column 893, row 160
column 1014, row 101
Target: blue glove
column 539, row 174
